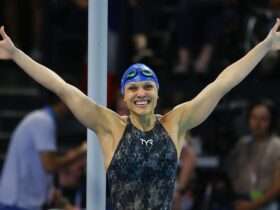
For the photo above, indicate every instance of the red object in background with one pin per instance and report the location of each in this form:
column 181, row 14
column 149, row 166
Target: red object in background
column 112, row 86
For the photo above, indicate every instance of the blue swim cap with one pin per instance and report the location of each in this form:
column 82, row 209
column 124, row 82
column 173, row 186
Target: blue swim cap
column 137, row 73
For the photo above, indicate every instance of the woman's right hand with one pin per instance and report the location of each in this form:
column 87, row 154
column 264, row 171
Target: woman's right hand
column 7, row 47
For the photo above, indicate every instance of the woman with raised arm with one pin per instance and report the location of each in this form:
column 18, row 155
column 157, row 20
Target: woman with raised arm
column 141, row 150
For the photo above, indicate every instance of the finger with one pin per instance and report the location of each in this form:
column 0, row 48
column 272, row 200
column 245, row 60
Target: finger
column 2, row 32
column 276, row 25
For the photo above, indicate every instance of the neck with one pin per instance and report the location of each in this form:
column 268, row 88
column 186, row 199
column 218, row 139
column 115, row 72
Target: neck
column 144, row 122
column 58, row 110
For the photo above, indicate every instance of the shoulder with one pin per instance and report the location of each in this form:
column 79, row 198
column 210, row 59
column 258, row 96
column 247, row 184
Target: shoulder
column 44, row 116
column 275, row 142
column 167, row 117
column 174, row 116
column 115, row 128
column 35, row 123
column 38, row 116
column 165, row 120
column 274, row 147
column 171, row 123
column 275, row 139
column 123, row 121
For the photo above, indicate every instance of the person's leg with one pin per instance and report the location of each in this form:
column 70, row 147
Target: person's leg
column 141, row 27
column 202, row 62
column 37, row 24
column 185, row 27
column 211, row 30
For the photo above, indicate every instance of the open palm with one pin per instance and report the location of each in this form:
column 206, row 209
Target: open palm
column 7, row 47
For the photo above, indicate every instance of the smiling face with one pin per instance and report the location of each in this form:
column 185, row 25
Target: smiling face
column 141, row 97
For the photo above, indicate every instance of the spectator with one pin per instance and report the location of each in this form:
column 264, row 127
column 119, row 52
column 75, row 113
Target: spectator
column 71, row 183
column 32, row 158
column 254, row 163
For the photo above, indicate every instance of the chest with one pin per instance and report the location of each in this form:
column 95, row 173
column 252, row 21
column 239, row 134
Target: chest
column 144, row 155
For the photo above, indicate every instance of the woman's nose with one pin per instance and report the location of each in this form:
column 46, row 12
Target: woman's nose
column 141, row 92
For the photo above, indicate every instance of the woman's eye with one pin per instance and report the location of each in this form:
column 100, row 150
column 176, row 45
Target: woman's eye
column 133, row 88
column 148, row 87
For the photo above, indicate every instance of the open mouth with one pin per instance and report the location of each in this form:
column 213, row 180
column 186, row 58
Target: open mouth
column 142, row 102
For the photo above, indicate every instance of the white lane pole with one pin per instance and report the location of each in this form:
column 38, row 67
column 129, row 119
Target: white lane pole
column 97, row 89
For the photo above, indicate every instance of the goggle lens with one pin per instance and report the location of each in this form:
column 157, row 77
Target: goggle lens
column 145, row 72
column 131, row 74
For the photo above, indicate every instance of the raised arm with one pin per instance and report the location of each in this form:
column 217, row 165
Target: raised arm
column 194, row 112
column 85, row 109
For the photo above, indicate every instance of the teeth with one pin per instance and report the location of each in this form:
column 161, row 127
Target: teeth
column 141, row 102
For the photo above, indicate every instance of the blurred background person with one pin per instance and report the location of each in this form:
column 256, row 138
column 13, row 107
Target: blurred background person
column 71, row 184
column 32, row 158
column 253, row 165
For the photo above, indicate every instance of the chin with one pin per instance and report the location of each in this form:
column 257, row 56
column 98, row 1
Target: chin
column 142, row 112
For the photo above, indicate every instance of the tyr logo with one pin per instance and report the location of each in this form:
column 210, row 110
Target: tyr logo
column 148, row 142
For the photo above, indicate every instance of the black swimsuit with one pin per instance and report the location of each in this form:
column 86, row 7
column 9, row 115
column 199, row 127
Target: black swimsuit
column 142, row 173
